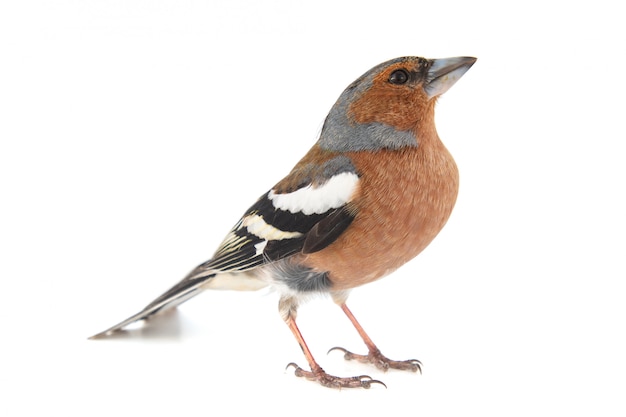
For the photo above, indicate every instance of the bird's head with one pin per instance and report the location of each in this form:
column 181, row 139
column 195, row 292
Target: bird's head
column 391, row 105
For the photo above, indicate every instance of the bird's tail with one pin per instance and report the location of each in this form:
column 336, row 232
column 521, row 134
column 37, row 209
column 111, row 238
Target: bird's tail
column 189, row 287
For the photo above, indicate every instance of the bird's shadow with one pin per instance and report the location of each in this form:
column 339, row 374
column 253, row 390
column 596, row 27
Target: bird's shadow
column 166, row 326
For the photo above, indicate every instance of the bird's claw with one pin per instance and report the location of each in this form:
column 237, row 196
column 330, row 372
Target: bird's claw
column 331, row 381
column 381, row 361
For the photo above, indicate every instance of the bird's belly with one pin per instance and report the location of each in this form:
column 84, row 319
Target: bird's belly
column 391, row 228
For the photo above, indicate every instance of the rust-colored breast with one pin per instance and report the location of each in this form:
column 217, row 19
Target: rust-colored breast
column 404, row 200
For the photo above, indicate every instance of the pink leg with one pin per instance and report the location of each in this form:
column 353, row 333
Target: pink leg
column 374, row 356
column 318, row 374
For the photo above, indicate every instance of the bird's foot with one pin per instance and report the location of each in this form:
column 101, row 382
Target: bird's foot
column 380, row 361
column 331, row 381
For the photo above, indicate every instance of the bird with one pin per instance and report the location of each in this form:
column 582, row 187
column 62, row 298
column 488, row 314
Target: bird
column 373, row 191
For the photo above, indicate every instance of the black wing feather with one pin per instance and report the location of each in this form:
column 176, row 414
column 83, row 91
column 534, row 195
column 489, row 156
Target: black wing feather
column 239, row 251
column 327, row 230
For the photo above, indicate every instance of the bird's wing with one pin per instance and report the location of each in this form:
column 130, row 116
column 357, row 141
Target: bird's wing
column 301, row 219
column 281, row 224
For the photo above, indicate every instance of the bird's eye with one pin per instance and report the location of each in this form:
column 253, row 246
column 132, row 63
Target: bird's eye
column 399, row 77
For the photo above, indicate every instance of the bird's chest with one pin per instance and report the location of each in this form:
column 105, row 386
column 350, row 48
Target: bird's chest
column 403, row 201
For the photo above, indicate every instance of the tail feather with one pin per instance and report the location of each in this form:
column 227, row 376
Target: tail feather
column 178, row 294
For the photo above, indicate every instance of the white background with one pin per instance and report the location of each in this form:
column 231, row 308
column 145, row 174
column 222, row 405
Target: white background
column 135, row 133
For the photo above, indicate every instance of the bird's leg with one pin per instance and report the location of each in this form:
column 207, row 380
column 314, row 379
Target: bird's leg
column 374, row 356
column 317, row 373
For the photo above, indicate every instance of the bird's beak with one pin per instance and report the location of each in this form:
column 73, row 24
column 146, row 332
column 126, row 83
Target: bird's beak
column 444, row 72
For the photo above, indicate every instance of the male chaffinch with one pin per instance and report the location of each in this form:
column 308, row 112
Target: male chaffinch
column 370, row 195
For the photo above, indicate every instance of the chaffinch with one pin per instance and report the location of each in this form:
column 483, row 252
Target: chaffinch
column 370, row 195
